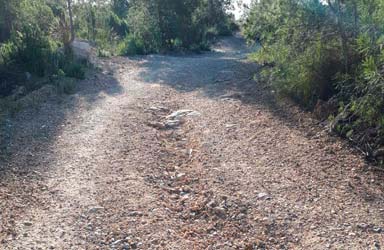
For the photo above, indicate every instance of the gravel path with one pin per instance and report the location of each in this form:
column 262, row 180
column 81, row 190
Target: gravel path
column 107, row 168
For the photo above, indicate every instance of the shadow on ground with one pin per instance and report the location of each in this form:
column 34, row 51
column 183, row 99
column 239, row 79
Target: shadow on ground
column 224, row 73
column 29, row 135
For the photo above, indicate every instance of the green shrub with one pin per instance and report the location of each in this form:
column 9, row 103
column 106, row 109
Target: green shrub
column 7, row 53
column 334, row 51
column 227, row 27
column 118, row 25
column 145, row 33
column 103, row 53
column 306, row 77
column 66, row 86
column 34, row 50
column 176, row 44
column 27, row 51
column 131, row 46
column 210, row 34
column 60, row 73
column 75, row 70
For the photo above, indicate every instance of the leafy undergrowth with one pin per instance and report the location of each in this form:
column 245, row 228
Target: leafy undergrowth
column 329, row 58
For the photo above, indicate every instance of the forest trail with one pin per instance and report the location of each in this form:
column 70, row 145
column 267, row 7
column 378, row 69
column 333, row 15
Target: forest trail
column 107, row 169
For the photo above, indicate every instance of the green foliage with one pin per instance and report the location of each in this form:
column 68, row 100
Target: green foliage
column 34, row 50
column 75, row 70
column 7, row 53
column 120, row 8
column 103, row 53
column 9, row 10
column 176, row 43
column 131, row 46
column 177, row 25
column 156, row 24
column 319, row 51
column 35, row 36
column 118, row 25
column 32, row 46
column 144, row 27
column 66, row 86
column 152, row 25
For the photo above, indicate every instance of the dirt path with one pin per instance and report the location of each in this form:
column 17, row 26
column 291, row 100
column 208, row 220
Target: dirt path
column 101, row 169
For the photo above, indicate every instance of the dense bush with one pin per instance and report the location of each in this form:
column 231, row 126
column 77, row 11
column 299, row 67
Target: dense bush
column 74, row 70
column 317, row 51
column 131, row 46
column 35, row 36
column 66, row 86
column 155, row 25
column 118, row 25
column 176, row 25
column 35, row 52
column 144, row 27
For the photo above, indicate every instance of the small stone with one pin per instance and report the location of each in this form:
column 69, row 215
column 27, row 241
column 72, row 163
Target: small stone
column 159, row 109
column 172, row 123
column 135, row 213
column 362, row 226
column 241, row 216
column 219, row 211
column 180, row 175
column 157, row 125
column 230, row 125
column 117, row 242
column 95, row 209
column 263, row 196
column 211, row 204
column 177, row 115
column 187, row 189
column 27, row 223
column 155, row 242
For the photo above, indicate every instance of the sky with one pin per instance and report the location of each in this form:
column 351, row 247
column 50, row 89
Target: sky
column 238, row 7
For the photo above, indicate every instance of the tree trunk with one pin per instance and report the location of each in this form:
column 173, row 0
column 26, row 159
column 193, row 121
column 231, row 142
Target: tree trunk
column 337, row 10
column 71, row 20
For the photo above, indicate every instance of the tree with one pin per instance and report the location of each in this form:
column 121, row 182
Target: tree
column 69, row 4
column 9, row 10
column 120, row 8
column 331, row 52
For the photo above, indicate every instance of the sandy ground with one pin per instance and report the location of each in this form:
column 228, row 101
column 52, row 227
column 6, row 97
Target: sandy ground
column 102, row 170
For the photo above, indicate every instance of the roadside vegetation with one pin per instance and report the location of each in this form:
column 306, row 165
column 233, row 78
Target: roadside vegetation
column 329, row 57
column 36, row 36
